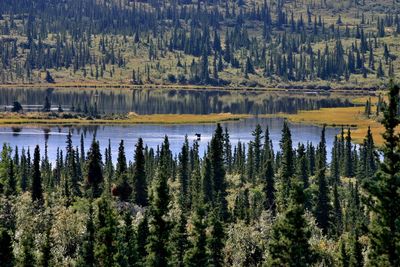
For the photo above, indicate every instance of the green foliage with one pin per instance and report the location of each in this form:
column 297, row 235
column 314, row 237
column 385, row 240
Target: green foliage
column 196, row 255
column 94, row 169
column 159, row 227
column 215, row 241
column 289, row 244
column 6, row 251
column 37, row 191
column 105, row 245
column 383, row 192
column 197, row 211
column 139, row 177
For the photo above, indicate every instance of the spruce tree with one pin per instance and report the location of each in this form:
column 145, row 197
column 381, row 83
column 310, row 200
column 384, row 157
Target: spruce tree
column 11, row 183
column 178, row 243
column 343, row 257
column 384, row 192
column 37, row 192
column 87, row 258
column 46, row 254
column 268, row 180
column 139, row 176
column 215, row 240
column 323, row 208
column 6, row 251
column 123, row 189
column 207, row 184
column 196, row 255
column 287, row 169
column 94, row 169
column 356, row 258
column 141, row 240
column 302, row 174
column 105, row 244
column 218, row 171
column 337, row 213
column 257, row 146
column 159, row 227
column 184, row 173
column 28, row 258
column 347, row 159
column 289, row 244
column 126, row 254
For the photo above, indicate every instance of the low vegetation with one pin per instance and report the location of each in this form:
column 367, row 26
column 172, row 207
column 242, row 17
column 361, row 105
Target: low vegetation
column 40, row 118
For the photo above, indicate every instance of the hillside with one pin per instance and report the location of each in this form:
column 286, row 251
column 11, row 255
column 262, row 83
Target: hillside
column 272, row 43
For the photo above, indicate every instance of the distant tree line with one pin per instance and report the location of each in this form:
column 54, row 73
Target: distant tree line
column 60, row 35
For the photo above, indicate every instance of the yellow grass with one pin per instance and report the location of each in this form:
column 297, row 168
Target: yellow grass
column 348, row 117
column 43, row 118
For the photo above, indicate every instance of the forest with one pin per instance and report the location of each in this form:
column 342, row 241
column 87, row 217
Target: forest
column 238, row 43
column 244, row 204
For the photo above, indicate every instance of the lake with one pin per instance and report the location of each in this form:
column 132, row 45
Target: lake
column 170, row 101
column 153, row 135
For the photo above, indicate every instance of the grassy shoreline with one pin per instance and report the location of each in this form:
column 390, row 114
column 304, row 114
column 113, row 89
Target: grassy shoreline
column 13, row 119
column 352, row 117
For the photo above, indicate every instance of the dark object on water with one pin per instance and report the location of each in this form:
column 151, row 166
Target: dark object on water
column 198, row 136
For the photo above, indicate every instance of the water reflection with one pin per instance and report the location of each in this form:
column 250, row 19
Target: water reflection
column 159, row 101
column 153, row 135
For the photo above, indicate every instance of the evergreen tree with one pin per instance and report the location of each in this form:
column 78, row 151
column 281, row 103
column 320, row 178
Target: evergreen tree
column 141, row 240
column 178, row 242
column 356, row 258
column 94, row 169
column 28, row 258
column 268, row 180
column 289, row 244
column 139, row 176
column 257, row 134
column 159, row 227
column 287, row 169
column 322, row 209
column 337, row 213
column 6, row 251
column 215, row 241
column 184, row 173
column 11, row 185
column 383, row 191
column 207, row 183
column 126, row 245
column 347, row 159
column 302, row 174
column 87, row 258
column 344, row 257
column 105, row 244
column 46, row 257
column 196, row 255
column 218, row 171
column 123, row 189
column 37, row 192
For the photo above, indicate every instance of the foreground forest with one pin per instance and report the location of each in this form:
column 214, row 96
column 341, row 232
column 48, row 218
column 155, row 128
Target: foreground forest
column 272, row 43
column 237, row 205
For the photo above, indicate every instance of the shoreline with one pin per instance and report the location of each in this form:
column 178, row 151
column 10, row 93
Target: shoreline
column 346, row 117
column 163, row 119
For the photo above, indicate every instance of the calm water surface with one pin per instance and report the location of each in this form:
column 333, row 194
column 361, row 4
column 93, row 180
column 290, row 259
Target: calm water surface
column 153, row 135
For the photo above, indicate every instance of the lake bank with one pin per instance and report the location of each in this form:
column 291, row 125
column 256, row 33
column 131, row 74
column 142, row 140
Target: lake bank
column 352, row 117
column 41, row 118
